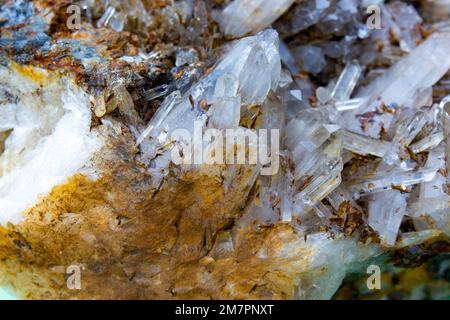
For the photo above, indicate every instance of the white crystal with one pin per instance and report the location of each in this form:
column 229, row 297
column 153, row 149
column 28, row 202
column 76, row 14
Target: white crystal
column 255, row 62
column 296, row 94
column 225, row 113
column 422, row 68
column 404, row 134
column 323, row 95
column 323, row 168
column 409, row 239
column 243, row 16
column 50, row 139
column 364, row 145
column 339, row 195
column 386, row 211
column 164, row 110
column 351, row 104
column 429, row 142
column 322, row 211
column 387, row 179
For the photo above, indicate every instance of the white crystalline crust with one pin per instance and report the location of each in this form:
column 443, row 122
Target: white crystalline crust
column 49, row 139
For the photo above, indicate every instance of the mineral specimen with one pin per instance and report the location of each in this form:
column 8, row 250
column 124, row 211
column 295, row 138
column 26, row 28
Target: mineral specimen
column 240, row 149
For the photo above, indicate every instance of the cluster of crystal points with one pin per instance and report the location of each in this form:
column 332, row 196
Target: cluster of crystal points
column 319, row 141
column 365, row 128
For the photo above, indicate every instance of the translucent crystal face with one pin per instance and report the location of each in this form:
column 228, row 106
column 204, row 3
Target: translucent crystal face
column 241, row 17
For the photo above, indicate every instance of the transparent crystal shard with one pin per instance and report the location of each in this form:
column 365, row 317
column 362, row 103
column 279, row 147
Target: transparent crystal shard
column 409, row 239
column 246, row 74
column 164, row 110
column 244, row 16
column 186, row 57
column 322, row 211
column 301, row 128
column 431, row 213
column 111, row 18
column 364, row 145
column 427, row 143
column 286, row 192
column 323, row 95
column 227, row 86
column 285, row 79
column 392, row 179
column 422, row 68
column 346, row 82
column 435, row 187
column 303, row 15
column 433, row 200
column 422, row 97
column 405, row 26
column 255, row 62
column 225, row 113
column 276, row 192
column 405, row 133
column 338, row 196
column 429, row 206
column 255, row 69
column 106, row 17
column 226, row 104
column 297, row 94
column 305, row 133
column 319, row 173
column 158, row 92
column 386, row 211
column 351, row 104
column 318, row 189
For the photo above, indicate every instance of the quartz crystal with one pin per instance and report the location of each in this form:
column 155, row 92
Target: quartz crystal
column 311, row 58
column 346, row 82
column 390, row 179
column 386, row 219
column 420, row 69
column 364, row 145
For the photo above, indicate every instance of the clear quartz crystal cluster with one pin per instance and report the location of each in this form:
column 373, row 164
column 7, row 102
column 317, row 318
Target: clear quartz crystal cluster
column 358, row 145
